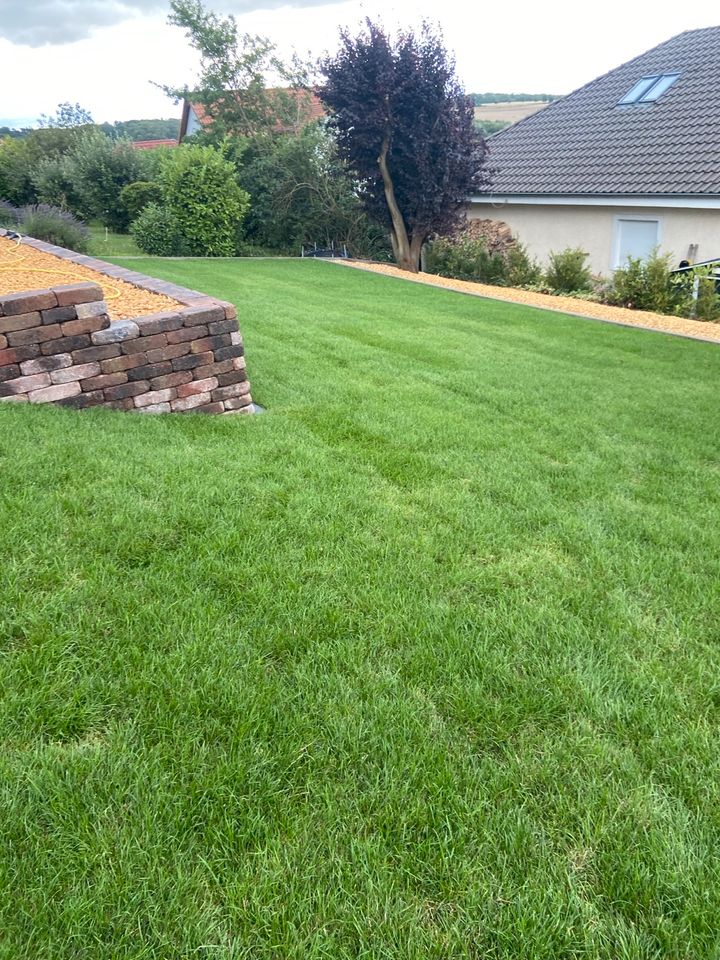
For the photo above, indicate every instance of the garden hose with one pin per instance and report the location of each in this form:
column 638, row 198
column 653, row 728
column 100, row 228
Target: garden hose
column 110, row 292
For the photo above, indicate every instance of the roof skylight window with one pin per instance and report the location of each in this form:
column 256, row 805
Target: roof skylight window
column 649, row 89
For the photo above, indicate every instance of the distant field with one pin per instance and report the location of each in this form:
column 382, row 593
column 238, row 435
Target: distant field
column 509, row 112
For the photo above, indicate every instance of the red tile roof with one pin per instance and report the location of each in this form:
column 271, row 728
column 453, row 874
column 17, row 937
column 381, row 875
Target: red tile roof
column 310, row 108
column 151, row 144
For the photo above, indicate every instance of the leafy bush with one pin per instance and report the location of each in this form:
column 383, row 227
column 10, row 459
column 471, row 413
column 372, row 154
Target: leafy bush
column 56, row 184
column 466, row 258
column 100, row 168
column 646, row 285
column 482, row 257
column 8, row 214
column 707, row 306
column 53, row 225
column 568, row 271
column 200, row 189
column 15, row 184
column 134, row 197
column 158, row 232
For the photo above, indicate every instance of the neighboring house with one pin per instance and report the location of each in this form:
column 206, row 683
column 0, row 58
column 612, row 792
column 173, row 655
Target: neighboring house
column 195, row 116
column 626, row 163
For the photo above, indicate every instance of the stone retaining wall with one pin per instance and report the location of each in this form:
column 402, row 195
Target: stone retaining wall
column 60, row 346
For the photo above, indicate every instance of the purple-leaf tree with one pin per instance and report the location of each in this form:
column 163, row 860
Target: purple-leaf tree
column 405, row 129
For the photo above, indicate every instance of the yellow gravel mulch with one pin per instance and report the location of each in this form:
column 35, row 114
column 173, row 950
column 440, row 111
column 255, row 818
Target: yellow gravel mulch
column 697, row 329
column 24, row 268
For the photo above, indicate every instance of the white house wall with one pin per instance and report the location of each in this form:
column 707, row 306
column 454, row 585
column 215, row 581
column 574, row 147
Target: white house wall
column 548, row 227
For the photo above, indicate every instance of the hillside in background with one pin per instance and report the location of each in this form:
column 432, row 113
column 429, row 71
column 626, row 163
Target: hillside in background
column 157, row 129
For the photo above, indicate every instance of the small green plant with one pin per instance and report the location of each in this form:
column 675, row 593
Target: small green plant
column 157, row 232
column 521, row 270
column 568, row 271
column 707, row 305
column 134, row 197
column 48, row 223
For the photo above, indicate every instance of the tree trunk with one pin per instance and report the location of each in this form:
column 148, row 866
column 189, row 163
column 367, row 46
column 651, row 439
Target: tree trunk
column 416, row 244
column 407, row 252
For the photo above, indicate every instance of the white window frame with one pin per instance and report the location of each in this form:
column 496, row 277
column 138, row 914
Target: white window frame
column 614, row 264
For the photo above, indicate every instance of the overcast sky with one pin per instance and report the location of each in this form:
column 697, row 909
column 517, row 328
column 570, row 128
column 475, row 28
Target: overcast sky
column 104, row 53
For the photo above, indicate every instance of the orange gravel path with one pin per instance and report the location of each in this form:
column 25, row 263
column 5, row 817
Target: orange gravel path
column 24, row 268
column 697, row 329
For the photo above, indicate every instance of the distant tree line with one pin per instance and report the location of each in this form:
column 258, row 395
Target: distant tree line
column 480, row 98
column 142, row 129
column 156, row 129
column 16, row 133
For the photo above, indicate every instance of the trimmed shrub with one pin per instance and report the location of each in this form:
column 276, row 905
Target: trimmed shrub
column 200, row 189
column 53, row 225
column 157, row 232
column 568, row 271
column 134, row 197
column 485, row 251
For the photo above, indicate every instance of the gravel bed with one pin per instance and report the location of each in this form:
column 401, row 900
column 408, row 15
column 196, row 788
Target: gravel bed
column 24, row 268
column 697, row 329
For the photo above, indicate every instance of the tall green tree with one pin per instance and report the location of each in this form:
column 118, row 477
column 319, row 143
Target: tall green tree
column 234, row 68
column 301, row 194
column 405, row 128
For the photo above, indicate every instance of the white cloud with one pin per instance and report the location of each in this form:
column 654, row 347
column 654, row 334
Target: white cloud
column 109, row 73
column 57, row 22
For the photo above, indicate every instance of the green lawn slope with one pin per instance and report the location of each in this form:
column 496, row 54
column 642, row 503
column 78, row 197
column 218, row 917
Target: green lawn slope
column 421, row 663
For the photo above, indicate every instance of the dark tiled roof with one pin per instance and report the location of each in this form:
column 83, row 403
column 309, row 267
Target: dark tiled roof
column 586, row 144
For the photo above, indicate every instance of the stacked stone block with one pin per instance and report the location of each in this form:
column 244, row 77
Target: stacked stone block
column 60, row 346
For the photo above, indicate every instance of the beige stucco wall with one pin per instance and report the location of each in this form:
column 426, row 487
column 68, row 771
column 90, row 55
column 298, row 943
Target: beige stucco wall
column 543, row 228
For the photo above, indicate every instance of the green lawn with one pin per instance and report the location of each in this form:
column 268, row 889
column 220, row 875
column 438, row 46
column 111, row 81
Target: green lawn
column 421, row 663
column 108, row 244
